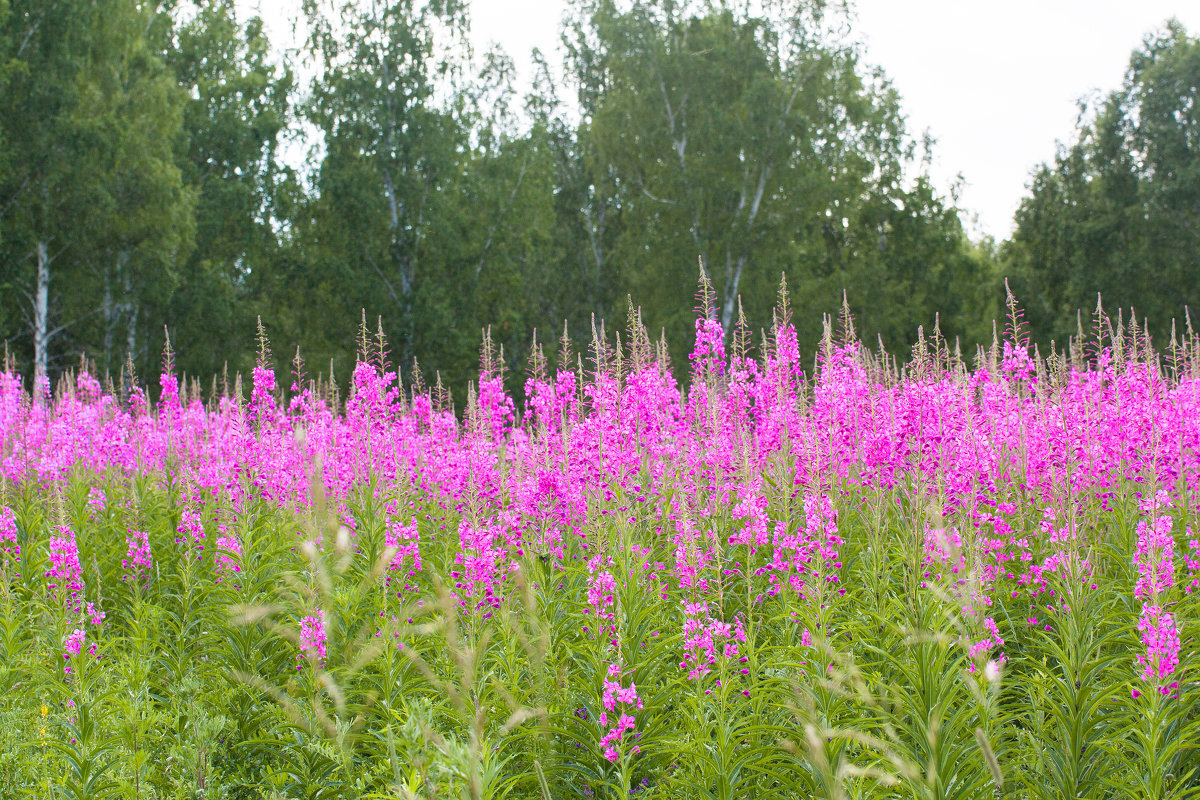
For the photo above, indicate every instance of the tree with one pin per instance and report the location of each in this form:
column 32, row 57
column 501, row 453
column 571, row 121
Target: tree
column 758, row 143
column 228, row 154
column 1118, row 211
column 391, row 143
column 41, row 72
column 94, row 206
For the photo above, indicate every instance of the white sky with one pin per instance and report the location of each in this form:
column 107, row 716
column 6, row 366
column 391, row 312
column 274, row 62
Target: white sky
column 995, row 84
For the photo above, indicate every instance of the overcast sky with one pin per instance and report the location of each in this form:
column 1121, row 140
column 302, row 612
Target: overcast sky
column 995, row 84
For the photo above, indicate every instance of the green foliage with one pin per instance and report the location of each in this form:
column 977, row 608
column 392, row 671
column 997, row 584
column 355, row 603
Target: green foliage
column 141, row 154
column 765, row 148
column 90, row 116
column 1118, row 211
column 198, row 689
column 232, row 131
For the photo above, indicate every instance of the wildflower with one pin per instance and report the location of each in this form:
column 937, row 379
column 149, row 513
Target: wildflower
column 620, row 700
column 97, row 501
column 191, row 528
column 708, row 354
column 1161, row 638
column 65, row 570
column 10, row 548
column 312, row 637
column 1155, row 557
column 137, row 561
column 73, row 646
column 229, row 549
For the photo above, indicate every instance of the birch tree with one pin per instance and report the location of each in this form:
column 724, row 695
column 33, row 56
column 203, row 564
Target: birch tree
column 39, row 200
column 749, row 137
column 1117, row 211
column 94, row 212
column 383, row 104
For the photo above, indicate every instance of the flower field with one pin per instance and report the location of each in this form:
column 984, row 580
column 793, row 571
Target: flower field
column 831, row 575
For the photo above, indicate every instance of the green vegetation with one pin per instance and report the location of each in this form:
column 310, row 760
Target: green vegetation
column 143, row 185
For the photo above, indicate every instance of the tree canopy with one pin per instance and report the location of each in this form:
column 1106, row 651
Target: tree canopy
column 149, row 186
column 1117, row 212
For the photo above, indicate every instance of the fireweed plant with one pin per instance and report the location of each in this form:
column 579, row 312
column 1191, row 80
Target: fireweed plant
column 828, row 576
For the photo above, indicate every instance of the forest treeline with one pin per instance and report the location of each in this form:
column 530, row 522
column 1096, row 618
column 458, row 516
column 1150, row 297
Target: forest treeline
column 148, row 183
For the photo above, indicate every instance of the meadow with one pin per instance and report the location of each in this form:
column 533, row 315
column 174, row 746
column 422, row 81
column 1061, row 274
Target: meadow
column 838, row 574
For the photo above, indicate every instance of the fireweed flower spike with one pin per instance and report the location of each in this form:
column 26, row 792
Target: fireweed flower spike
column 619, row 701
column 64, row 579
column 312, row 638
column 1162, row 647
column 72, row 647
column 137, row 561
column 10, row 546
column 1156, row 575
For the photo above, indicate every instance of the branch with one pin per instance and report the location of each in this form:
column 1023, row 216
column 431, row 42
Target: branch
column 758, row 195
column 65, row 325
column 391, row 289
column 594, row 231
column 662, row 200
column 680, row 141
column 17, row 194
column 29, row 35
column 512, row 196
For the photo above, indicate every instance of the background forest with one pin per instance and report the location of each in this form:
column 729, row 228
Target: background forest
column 147, row 184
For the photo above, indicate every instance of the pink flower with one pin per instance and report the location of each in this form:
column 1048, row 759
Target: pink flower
column 1162, row 646
column 312, row 637
column 65, row 570
column 229, row 549
column 405, row 540
column 73, row 646
column 137, row 561
column 1155, row 557
column 10, row 548
column 621, row 700
column 708, row 354
column 991, row 641
column 191, row 527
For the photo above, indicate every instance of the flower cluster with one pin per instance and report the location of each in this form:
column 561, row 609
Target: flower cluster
column 10, row 547
column 720, row 497
column 708, row 354
column 618, row 702
column 65, row 571
column 601, row 596
column 97, row 501
column 404, row 539
column 73, row 646
column 707, row 639
column 312, row 638
column 1156, row 575
column 137, row 561
column 191, row 528
column 229, row 552
column 1161, row 638
column 1155, row 557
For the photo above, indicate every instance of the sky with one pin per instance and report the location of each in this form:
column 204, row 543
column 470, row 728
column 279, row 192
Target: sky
column 996, row 85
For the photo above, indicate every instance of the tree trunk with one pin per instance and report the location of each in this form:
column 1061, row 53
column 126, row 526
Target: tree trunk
column 733, row 277
column 130, row 308
column 41, row 316
column 106, row 304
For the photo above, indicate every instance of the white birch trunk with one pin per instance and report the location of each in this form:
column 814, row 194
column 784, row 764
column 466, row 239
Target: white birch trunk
column 41, row 317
